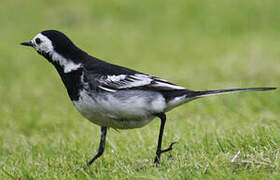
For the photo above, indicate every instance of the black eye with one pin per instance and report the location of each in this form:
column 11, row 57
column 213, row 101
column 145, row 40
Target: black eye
column 38, row 40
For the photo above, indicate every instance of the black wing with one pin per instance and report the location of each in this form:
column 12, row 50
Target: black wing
column 108, row 77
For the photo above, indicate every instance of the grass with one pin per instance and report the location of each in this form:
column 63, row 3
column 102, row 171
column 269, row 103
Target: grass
column 199, row 45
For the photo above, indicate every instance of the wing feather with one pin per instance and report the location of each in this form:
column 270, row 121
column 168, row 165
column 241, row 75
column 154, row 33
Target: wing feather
column 135, row 81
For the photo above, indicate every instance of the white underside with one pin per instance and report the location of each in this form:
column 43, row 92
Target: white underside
column 124, row 109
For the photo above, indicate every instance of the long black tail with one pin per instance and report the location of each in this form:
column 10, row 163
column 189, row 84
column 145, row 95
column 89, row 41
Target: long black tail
column 198, row 94
column 185, row 96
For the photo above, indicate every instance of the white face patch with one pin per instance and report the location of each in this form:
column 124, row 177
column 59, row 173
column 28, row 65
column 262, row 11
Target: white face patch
column 45, row 45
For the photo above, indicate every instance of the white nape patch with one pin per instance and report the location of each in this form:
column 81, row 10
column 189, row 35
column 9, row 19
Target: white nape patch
column 116, row 77
column 46, row 46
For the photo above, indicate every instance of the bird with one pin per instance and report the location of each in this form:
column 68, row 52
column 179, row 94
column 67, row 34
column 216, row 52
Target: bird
column 112, row 96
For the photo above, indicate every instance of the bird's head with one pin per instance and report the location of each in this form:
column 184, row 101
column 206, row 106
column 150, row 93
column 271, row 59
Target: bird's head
column 58, row 49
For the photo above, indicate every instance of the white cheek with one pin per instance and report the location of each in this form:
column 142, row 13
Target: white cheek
column 46, row 48
column 42, row 48
column 45, row 45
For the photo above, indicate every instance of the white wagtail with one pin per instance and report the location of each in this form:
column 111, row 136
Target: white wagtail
column 113, row 96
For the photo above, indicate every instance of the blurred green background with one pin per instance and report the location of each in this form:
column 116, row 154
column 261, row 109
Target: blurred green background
column 196, row 44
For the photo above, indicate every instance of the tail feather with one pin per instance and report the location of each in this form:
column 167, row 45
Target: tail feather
column 192, row 95
column 198, row 94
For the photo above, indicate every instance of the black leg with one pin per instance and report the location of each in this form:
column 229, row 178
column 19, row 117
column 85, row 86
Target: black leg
column 101, row 145
column 162, row 117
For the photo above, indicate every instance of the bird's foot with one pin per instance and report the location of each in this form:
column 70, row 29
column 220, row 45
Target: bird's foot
column 159, row 152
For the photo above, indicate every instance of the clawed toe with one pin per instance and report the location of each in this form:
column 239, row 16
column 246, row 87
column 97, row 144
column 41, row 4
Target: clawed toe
column 169, row 148
column 157, row 158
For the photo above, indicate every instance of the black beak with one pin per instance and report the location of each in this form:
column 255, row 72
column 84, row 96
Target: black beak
column 27, row 43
